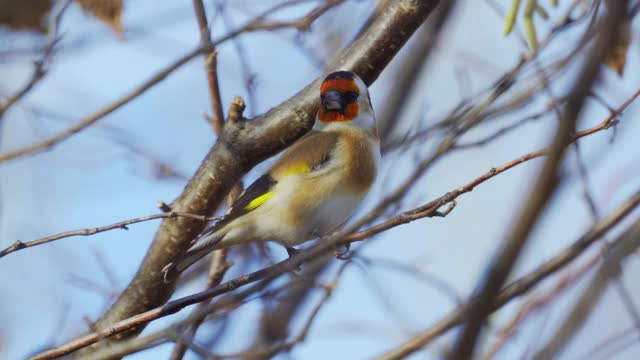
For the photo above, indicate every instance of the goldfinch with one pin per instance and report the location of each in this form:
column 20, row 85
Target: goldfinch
column 314, row 187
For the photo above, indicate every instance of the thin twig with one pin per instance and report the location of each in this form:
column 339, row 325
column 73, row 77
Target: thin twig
column 302, row 335
column 520, row 286
column 429, row 279
column 39, row 65
column 211, row 66
column 544, row 189
column 503, row 131
column 218, row 268
column 569, row 278
column 91, row 119
column 618, row 250
column 19, row 245
column 614, row 343
column 257, row 24
column 247, row 73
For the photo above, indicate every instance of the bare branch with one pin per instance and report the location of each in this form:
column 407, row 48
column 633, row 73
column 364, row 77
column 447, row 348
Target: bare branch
column 416, row 272
column 607, row 348
column 39, row 66
column 543, row 190
column 257, row 352
column 211, row 66
column 626, row 244
column 257, row 24
column 534, row 303
column 19, row 245
column 221, row 308
column 409, row 70
column 247, row 73
column 218, row 268
column 431, row 209
column 520, row 286
column 92, row 119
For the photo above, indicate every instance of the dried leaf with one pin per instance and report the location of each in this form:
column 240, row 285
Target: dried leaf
column 25, row 14
column 617, row 58
column 108, row 11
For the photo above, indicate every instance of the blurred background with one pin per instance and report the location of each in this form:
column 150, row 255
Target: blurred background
column 399, row 282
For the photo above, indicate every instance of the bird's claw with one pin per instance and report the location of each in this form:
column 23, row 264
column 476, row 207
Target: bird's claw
column 292, row 252
column 343, row 254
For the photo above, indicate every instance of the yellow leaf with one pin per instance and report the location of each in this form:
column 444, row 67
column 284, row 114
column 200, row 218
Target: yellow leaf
column 617, row 57
column 108, row 11
column 25, row 14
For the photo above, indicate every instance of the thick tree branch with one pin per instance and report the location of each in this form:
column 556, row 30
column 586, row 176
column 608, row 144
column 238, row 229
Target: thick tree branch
column 246, row 143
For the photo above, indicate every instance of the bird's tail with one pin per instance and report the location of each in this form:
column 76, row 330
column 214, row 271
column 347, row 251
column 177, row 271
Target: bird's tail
column 202, row 247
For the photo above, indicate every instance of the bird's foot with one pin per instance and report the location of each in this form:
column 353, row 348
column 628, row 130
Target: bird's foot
column 292, row 252
column 343, row 252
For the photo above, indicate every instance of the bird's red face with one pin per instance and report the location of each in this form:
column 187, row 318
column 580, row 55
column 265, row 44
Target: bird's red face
column 339, row 98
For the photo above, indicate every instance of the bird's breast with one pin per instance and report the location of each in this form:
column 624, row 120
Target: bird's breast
column 362, row 156
column 333, row 212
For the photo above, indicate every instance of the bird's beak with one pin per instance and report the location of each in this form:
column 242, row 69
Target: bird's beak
column 332, row 101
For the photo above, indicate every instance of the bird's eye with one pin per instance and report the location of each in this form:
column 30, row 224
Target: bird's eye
column 349, row 97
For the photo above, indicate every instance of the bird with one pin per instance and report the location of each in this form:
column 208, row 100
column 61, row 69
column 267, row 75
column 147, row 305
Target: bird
column 313, row 188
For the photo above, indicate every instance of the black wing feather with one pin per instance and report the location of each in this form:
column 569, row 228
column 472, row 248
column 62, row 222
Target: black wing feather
column 259, row 187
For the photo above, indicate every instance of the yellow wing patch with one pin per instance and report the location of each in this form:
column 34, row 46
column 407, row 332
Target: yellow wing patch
column 297, row 168
column 259, row 200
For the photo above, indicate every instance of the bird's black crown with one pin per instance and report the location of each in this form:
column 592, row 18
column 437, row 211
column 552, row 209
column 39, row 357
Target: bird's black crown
column 347, row 75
